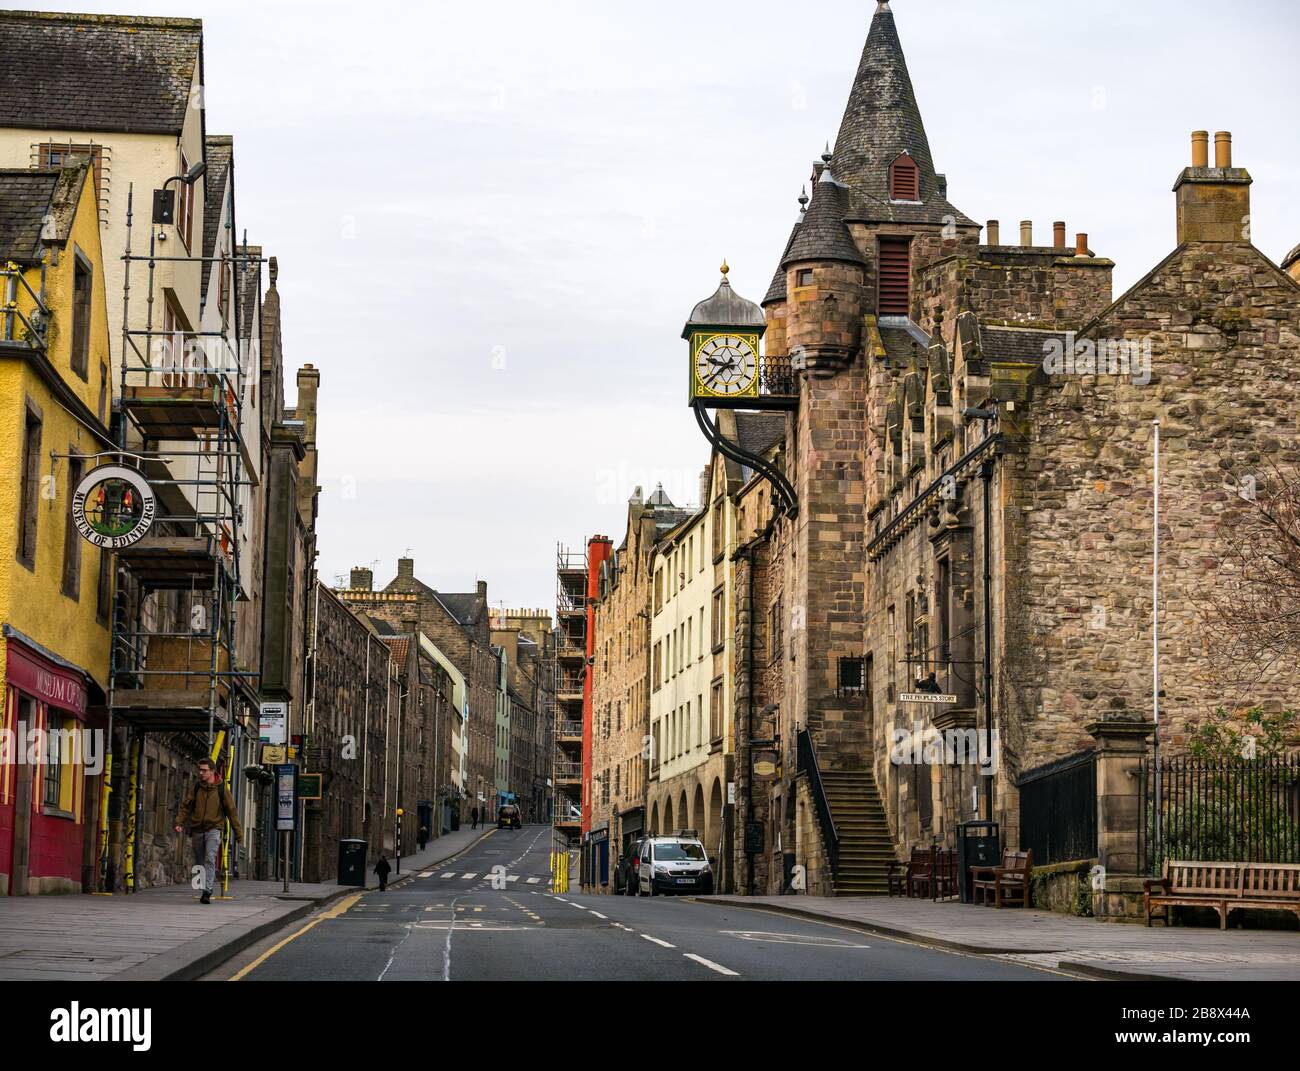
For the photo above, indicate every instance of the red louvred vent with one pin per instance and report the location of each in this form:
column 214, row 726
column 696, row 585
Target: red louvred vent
column 895, row 277
column 904, row 179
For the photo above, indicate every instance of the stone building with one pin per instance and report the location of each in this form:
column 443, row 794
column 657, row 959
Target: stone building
column 458, row 624
column 620, row 758
column 972, row 459
column 526, row 640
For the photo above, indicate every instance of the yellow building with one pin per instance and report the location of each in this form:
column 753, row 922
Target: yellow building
column 55, row 587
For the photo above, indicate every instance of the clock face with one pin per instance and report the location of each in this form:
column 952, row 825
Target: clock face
column 726, row 366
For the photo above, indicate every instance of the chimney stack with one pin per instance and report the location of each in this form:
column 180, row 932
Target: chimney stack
column 362, row 580
column 1058, row 234
column 1081, row 245
column 993, row 236
column 406, row 568
column 1213, row 203
column 1026, row 232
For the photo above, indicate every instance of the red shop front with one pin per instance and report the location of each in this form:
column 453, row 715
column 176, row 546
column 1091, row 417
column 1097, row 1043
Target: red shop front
column 49, row 783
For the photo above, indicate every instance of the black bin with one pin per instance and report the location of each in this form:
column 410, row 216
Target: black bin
column 352, row 862
column 978, row 844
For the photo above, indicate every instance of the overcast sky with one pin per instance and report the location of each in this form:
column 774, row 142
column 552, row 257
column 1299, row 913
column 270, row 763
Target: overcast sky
column 492, row 219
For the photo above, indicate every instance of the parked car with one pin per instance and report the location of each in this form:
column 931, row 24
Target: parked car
column 508, row 817
column 625, row 871
column 673, row 864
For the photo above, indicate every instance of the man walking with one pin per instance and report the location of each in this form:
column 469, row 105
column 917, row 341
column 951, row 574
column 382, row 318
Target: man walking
column 205, row 806
column 473, row 814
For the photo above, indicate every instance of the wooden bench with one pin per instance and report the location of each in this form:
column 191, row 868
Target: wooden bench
column 943, row 873
column 1009, row 883
column 900, row 874
column 1222, row 886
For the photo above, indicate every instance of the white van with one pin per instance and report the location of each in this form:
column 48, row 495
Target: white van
column 674, row 864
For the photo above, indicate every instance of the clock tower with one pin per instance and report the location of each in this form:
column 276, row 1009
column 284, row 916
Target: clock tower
column 724, row 334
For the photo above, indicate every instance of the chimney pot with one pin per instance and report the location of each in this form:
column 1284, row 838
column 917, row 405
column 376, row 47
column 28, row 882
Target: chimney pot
column 1222, row 149
column 1058, row 234
column 1200, row 148
column 1080, row 245
column 1026, row 232
column 993, row 236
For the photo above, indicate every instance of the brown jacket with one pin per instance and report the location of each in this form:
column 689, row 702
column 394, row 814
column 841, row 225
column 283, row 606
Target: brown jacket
column 205, row 806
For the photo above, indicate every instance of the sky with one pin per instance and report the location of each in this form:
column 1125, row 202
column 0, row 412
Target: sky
column 492, row 220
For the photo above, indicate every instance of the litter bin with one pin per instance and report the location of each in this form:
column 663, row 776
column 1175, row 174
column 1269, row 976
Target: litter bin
column 352, row 862
column 978, row 844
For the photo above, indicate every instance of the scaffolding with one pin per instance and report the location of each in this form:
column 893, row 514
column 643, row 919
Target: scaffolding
column 178, row 420
column 570, row 684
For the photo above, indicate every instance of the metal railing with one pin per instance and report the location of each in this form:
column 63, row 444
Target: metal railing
column 568, row 728
column 807, row 761
column 1223, row 811
column 1058, row 810
column 570, row 771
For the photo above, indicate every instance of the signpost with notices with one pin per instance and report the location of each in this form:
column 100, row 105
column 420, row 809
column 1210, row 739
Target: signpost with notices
column 273, row 724
column 286, row 808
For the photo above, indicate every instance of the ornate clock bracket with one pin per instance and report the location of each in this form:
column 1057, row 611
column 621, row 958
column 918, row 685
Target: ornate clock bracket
column 782, row 489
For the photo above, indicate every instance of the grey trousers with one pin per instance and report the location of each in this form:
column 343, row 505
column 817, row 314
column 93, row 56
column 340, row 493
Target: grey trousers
column 206, row 847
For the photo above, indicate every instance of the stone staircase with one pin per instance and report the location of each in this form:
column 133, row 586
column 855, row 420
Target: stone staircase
column 866, row 846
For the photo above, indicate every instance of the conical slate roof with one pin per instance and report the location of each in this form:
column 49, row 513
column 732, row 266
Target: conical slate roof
column 822, row 235
column 725, row 308
column 881, row 122
column 777, row 291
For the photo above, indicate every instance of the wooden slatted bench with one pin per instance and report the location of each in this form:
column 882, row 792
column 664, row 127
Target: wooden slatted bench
column 1008, row 883
column 1222, row 886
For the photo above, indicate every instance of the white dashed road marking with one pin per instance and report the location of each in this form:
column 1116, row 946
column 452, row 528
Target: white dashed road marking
column 711, row 965
column 447, row 874
column 600, row 916
column 468, row 877
column 655, row 940
column 532, row 881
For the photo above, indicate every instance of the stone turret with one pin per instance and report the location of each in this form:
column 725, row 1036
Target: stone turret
column 824, row 282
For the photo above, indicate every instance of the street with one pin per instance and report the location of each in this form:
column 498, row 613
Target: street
column 451, row 924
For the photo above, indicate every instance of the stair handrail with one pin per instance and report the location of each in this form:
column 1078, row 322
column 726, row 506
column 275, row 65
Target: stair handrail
column 807, row 759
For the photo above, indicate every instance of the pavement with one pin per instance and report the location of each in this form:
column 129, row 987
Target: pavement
column 488, row 915
column 1046, row 939
column 165, row 934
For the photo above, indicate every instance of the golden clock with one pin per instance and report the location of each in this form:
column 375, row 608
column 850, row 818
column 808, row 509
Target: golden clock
column 725, row 365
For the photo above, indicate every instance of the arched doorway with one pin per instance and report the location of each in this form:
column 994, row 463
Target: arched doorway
column 715, row 816
column 654, row 818
column 683, row 812
column 698, row 817
column 668, row 816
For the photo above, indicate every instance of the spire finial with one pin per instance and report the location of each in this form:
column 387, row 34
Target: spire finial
column 827, row 156
column 803, row 199
column 883, row 5
column 726, row 268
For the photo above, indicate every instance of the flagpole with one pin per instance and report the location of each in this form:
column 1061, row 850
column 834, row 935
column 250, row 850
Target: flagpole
column 1155, row 627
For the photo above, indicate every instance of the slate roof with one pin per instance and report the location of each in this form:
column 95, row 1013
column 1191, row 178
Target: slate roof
column 823, row 235
column 1016, row 343
column 1291, row 258
column 461, row 606
column 881, row 122
column 777, row 291
column 759, row 432
column 902, row 342
column 24, row 201
column 218, row 151
column 97, row 72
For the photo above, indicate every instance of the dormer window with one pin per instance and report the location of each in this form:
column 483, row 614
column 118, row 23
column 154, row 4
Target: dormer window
column 904, row 179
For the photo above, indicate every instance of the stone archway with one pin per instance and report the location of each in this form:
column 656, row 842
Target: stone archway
column 715, row 816
column 697, row 813
column 683, row 811
column 654, row 818
column 668, row 816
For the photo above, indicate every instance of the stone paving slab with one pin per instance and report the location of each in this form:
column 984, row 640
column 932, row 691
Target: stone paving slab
column 1048, row 939
column 165, row 934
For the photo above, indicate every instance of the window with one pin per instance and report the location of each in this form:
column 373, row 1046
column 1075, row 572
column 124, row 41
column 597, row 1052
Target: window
column 31, row 477
column 850, row 676
column 701, row 634
column 51, row 155
column 81, row 309
column 699, row 721
column 891, row 671
column 803, row 277
column 185, row 207
column 102, row 409
column 715, row 712
column 656, row 665
column 718, row 614
column 895, row 277
column 904, row 179
column 71, row 537
column 719, row 534
column 774, row 630
column 659, row 590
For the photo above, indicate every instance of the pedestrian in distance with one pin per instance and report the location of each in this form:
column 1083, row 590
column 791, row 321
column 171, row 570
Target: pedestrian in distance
column 473, row 814
column 424, row 837
column 203, row 809
column 382, row 869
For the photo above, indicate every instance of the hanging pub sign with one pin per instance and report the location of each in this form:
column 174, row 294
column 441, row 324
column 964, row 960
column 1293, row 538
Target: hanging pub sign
column 113, row 507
